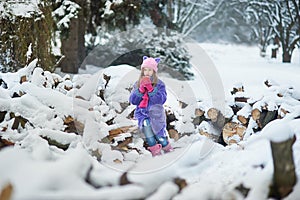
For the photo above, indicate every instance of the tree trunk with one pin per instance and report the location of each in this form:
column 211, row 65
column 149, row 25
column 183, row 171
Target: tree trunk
column 286, row 57
column 284, row 177
column 274, row 53
column 73, row 47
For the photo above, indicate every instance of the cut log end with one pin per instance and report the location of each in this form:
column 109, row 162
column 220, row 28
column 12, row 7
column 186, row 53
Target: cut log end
column 199, row 112
column 233, row 132
column 212, row 114
column 242, row 119
column 255, row 114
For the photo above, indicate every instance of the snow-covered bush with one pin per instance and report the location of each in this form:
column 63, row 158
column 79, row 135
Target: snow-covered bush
column 128, row 47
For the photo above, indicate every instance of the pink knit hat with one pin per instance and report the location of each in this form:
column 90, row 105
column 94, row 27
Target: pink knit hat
column 150, row 63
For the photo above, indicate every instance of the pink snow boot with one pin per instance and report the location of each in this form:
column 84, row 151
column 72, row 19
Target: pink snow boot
column 155, row 150
column 168, row 148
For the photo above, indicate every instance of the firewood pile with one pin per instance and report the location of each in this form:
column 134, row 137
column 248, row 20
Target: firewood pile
column 249, row 115
column 246, row 115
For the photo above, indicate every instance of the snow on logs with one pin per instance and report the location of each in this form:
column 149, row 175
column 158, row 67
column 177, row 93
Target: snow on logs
column 249, row 115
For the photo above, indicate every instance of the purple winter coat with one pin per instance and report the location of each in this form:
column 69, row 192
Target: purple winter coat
column 154, row 111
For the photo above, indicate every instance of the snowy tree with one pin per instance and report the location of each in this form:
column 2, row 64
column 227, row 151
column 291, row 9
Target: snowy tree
column 108, row 46
column 284, row 19
column 25, row 34
column 257, row 18
column 185, row 16
column 70, row 25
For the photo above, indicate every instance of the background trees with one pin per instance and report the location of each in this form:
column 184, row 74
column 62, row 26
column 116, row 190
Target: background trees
column 282, row 19
column 61, row 33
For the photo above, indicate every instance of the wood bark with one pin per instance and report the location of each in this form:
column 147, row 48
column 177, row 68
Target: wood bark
column 262, row 118
column 211, row 136
column 199, row 117
column 115, row 132
column 233, row 132
column 5, row 143
column 174, row 134
column 284, row 177
column 237, row 89
column 243, row 119
column 2, row 115
column 73, row 125
column 217, row 118
column 73, row 46
column 6, row 192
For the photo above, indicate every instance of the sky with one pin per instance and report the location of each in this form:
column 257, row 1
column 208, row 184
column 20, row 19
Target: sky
column 91, row 168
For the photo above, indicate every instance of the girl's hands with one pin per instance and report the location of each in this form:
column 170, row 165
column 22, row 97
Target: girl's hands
column 145, row 84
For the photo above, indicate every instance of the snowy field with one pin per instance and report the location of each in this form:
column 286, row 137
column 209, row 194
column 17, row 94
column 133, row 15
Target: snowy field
column 37, row 170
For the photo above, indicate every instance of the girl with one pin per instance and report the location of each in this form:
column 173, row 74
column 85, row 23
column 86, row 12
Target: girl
column 149, row 94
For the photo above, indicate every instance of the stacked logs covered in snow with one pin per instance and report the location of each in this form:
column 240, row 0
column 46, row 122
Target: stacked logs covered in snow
column 248, row 115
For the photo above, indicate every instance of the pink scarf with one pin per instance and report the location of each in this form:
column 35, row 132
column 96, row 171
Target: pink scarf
column 144, row 102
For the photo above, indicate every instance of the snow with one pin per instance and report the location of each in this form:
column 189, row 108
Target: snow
column 23, row 9
column 65, row 13
column 277, row 131
column 91, row 169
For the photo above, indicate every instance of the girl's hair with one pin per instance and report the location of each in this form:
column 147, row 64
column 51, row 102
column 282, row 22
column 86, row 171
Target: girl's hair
column 154, row 81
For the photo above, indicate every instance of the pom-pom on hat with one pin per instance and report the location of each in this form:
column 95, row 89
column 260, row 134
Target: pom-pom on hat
column 150, row 63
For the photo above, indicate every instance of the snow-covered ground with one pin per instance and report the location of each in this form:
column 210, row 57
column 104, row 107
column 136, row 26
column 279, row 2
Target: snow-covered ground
column 37, row 170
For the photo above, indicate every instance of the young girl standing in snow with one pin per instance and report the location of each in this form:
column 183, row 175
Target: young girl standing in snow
column 149, row 94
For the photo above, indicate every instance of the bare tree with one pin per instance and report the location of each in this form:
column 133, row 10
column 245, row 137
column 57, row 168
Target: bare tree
column 283, row 17
column 258, row 20
column 183, row 16
column 208, row 10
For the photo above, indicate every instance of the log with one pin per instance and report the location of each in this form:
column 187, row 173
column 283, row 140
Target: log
column 233, row 132
column 6, row 192
column 56, row 143
column 23, row 79
column 217, row 118
column 73, row 125
column 208, row 130
column 241, row 99
column 255, row 114
column 284, row 109
column 123, row 145
column 284, row 177
column 212, row 114
column 239, row 88
column 243, row 119
column 2, row 115
column 170, row 118
column 270, row 83
column 244, row 114
column 19, row 120
column 199, row 117
column 235, row 108
column 199, row 112
column 182, row 104
column 124, row 179
column 263, row 117
column 181, row 183
column 5, row 143
column 270, row 116
column 174, row 134
column 211, row 136
column 125, row 129
column 243, row 190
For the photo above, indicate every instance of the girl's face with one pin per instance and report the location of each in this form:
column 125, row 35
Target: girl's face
column 148, row 71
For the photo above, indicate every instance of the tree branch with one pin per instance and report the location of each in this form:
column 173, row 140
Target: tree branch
column 212, row 14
